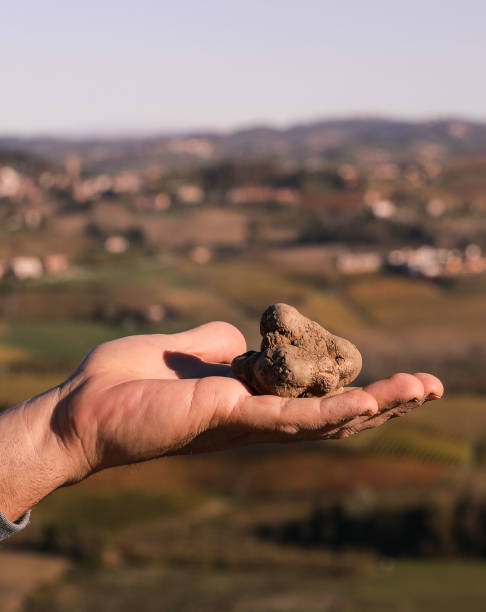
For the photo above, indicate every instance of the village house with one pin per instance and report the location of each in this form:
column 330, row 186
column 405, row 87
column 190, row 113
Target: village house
column 116, row 244
column 189, row 194
column 17, row 187
column 435, row 207
column 127, row 182
column 432, row 262
column 200, row 254
column 261, row 194
column 153, row 202
column 199, row 147
column 10, row 182
column 90, row 188
column 250, row 194
column 26, row 267
column 358, row 263
column 55, row 263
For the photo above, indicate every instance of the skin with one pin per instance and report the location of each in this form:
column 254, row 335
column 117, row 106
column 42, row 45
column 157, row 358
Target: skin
column 142, row 397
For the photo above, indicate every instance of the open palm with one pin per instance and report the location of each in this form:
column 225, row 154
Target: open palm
column 142, row 397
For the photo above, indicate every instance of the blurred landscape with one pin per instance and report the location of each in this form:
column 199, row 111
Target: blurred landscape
column 375, row 228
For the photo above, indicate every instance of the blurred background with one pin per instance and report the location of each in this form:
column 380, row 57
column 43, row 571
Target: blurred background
column 163, row 165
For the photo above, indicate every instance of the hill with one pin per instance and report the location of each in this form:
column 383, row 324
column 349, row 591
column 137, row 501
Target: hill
column 341, row 139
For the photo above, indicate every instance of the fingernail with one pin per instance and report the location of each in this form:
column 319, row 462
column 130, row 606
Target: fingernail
column 432, row 396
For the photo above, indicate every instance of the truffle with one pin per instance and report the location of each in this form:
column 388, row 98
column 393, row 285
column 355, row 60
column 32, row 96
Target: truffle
column 298, row 357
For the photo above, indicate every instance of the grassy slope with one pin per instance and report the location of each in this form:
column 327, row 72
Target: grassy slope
column 420, row 587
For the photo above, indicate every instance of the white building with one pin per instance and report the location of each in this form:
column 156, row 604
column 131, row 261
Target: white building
column 26, row 267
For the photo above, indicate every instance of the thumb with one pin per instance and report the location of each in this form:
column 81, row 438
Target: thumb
column 217, row 342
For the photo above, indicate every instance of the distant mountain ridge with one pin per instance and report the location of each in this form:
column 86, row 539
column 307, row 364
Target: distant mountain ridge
column 336, row 138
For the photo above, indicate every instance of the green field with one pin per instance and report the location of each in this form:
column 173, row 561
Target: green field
column 391, row 587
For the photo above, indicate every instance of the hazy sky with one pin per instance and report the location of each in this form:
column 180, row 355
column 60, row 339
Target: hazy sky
column 152, row 65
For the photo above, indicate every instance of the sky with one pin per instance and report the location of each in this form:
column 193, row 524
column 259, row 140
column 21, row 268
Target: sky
column 123, row 67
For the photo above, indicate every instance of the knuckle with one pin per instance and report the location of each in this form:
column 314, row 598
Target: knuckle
column 363, row 401
column 286, row 424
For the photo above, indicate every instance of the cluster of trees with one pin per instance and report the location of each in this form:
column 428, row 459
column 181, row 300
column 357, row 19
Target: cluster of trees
column 441, row 526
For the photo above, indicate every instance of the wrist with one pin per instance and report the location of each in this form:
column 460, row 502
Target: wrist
column 33, row 462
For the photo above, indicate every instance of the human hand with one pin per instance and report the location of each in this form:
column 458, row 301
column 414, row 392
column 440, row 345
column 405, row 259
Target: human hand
column 142, row 397
column 146, row 396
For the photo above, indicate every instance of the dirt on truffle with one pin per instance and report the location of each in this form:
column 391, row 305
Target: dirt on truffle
column 298, row 357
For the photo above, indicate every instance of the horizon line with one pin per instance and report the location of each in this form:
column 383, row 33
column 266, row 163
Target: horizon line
column 147, row 133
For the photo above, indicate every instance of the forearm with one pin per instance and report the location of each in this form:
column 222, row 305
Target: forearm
column 32, row 460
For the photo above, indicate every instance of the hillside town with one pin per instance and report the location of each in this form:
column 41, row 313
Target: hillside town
column 384, row 212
